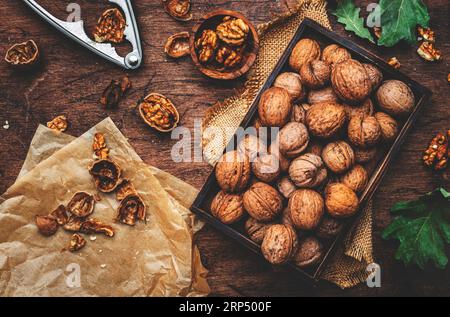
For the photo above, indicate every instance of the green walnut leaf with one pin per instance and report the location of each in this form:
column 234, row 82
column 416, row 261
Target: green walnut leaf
column 423, row 228
column 348, row 14
column 399, row 19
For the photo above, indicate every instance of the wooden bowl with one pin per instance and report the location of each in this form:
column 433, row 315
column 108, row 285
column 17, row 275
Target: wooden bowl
column 210, row 21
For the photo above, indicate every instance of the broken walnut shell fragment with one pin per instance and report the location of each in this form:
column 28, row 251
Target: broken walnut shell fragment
column 73, row 224
column 96, row 226
column 60, row 215
column 159, row 112
column 177, row 45
column 178, row 9
column 23, row 54
column 124, row 189
column 131, row 209
column 77, row 242
column 47, row 225
column 106, row 175
column 81, row 204
column 110, row 27
column 114, row 92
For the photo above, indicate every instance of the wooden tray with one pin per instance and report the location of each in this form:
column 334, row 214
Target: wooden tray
column 310, row 29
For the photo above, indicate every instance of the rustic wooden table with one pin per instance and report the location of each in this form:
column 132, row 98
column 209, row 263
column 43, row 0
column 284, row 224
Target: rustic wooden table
column 71, row 80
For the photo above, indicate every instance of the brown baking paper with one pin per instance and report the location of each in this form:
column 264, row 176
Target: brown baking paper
column 157, row 258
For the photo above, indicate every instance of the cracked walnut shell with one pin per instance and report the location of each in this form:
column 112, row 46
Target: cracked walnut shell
column 308, row 171
column 356, row 178
column 159, row 112
column 340, row 200
column 388, row 125
column 395, row 98
column 77, row 242
column 306, row 208
column 293, row 139
column 292, row 83
column 178, row 9
column 81, row 204
column 228, row 208
column 233, row 172
column 60, row 215
column 262, row 202
column 124, row 189
column 279, row 244
column 131, row 209
column 305, row 50
column 334, row 54
column 325, row 119
column 233, row 31
column 338, row 156
column 106, row 174
column 315, row 74
column 310, row 252
column 177, row 45
column 274, row 107
column 96, row 226
column 23, row 54
column 350, row 81
column 364, row 131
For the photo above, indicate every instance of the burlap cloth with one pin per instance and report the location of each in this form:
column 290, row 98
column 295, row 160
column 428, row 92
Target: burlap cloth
column 347, row 268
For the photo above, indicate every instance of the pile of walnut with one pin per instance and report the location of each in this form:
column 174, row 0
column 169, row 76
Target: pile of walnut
column 224, row 47
column 296, row 193
column 76, row 216
column 437, row 154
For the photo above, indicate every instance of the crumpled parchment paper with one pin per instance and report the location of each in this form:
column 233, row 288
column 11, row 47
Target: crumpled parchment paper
column 157, row 258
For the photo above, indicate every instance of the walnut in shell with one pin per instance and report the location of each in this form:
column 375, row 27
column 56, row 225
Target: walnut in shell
column 279, row 244
column 375, row 75
column 334, row 54
column 233, row 172
column 298, row 113
column 364, row 131
column 350, row 81
column 252, row 146
column 306, row 208
column 262, row 202
column 363, row 156
column 286, row 187
column 81, row 204
column 286, row 218
column 274, row 148
column 307, row 171
column 340, row 200
column 365, row 109
column 325, row 119
column 310, row 252
column 266, row 167
column 315, row 74
column 107, row 175
column 356, row 178
column 322, row 95
column 329, row 228
column 305, row 50
column 292, row 83
column 228, row 208
column 388, row 125
column 274, row 107
column 338, row 156
column 395, row 98
column 314, row 147
column 256, row 230
column 293, row 139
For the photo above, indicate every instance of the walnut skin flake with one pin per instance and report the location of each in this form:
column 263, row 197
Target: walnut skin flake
column 110, row 27
column 58, row 124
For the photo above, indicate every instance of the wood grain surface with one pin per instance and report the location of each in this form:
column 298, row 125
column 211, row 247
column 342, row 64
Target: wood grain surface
column 70, row 81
